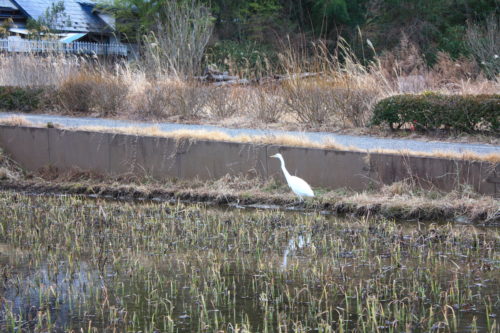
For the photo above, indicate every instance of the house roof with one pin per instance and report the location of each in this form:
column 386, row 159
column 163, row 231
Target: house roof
column 79, row 14
column 9, row 10
column 7, row 4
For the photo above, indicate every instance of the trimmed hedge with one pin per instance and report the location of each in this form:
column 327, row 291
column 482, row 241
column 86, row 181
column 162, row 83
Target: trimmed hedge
column 428, row 111
column 20, row 99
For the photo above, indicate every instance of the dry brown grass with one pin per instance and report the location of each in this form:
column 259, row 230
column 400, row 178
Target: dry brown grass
column 404, row 60
column 267, row 103
column 288, row 140
column 467, row 155
column 150, row 101
column 406, row 72
column 188, row 100
column 283, row 140
column 403, row 200
column 395, row 201
column 326, row 102
column 9, row 170
column 30, row 70
column 409, row 195
column 16, row 121
column 109, row 95
column 311, row 102
column 174, row 99
column 74, row 93
column 93, row 92
column 224, row 102
column 341, row 97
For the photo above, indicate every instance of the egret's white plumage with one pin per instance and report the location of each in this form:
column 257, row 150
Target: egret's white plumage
column 298, row 185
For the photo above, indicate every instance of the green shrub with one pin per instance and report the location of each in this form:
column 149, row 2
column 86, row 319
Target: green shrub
column 428, row 111
column 20, row 99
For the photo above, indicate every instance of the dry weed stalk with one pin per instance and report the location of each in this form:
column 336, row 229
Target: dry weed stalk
column 405, row 60
column 342, row 94
column 109, row 95
column 16, row 121
column 74, row 92
column 177, row 43
column 311, row 102
column 9, row 170
column 91, row 91
column 485, row 45
column 187, row 99
column 224, row 102
column 406, row 72
column 151, row 101
column 30, row 70
column 267, row 103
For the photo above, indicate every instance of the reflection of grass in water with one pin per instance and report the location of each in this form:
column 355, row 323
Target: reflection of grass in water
column 82, row 263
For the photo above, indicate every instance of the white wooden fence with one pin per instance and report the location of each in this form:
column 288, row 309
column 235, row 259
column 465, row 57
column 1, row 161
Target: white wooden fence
column 49, row 46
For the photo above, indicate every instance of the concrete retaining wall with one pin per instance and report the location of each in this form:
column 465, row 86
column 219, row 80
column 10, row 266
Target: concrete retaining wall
column 116, row 154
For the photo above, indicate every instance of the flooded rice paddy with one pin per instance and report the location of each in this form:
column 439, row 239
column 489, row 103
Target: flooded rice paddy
column 88, row 265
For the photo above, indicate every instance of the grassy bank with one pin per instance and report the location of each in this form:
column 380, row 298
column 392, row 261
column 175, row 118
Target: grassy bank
column 401, row 200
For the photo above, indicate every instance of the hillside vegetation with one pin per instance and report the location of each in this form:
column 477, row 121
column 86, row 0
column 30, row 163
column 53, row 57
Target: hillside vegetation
column 253, row 33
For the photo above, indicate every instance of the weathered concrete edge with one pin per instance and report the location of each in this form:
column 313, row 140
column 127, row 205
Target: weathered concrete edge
column 160, row 157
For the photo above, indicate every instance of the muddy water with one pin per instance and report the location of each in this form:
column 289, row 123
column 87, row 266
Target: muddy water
column 78, row 264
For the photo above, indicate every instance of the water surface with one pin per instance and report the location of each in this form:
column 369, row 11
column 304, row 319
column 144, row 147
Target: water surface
column 76, row 264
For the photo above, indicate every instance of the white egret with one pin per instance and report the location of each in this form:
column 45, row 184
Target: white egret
column 298, row 185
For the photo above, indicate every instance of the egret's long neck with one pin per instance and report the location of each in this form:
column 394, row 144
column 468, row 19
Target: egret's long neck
column 285, row 171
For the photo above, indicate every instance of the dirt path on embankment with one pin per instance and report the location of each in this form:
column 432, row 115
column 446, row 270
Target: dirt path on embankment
column 361, row 142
